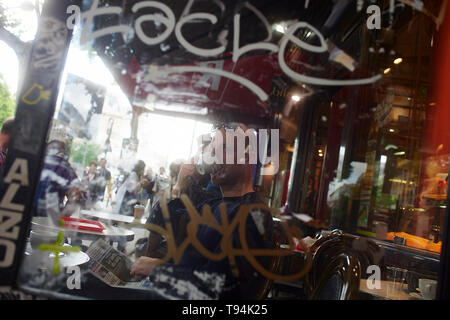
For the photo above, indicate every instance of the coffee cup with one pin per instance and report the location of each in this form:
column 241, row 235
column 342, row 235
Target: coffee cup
column 427, row 288
column 138, row 211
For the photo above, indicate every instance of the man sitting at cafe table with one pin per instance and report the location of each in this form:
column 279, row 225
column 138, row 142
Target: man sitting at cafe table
column 235, row 181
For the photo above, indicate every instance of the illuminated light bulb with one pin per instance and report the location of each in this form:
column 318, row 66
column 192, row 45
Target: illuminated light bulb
column 280, row 28
column 296, row 98
column 387, row 70
column 391, row 130
column 398, row 60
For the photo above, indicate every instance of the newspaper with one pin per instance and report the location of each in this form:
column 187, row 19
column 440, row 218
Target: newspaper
column 112, row 266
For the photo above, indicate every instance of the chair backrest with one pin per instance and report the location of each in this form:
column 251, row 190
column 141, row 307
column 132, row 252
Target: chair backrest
column 339, row 280
column 335, row 271
column 265, row 285
column 323, row 251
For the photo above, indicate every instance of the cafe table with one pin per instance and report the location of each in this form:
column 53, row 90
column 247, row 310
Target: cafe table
column 69, row 259
column 43, row 223
column 386, row 293
column 111, row 217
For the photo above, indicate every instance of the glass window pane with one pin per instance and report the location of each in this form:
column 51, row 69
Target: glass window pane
column 209, row 149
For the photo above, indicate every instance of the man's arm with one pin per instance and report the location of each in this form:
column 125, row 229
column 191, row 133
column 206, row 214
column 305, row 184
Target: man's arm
column 144, row 266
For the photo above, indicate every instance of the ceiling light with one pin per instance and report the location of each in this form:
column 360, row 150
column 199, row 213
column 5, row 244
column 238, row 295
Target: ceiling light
column 398, row 60
column 387, row 70
column 391, row 130
column 296, row 98
column 280, row 28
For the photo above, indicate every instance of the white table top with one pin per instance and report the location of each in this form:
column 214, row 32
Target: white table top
column 69, row 259
column 385, row 292
column 109, row 231
column 107, row 216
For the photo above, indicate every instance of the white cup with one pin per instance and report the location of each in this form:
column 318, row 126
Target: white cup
column 427, row 288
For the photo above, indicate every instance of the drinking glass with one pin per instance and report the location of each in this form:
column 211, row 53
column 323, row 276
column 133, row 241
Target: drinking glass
column 396, row 284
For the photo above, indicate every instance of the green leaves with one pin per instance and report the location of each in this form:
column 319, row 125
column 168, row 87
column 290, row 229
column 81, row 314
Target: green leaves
column 7, row 102
column 84, row 152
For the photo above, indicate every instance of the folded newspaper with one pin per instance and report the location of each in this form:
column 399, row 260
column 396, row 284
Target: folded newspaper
column 112, row 266
column 168, row 280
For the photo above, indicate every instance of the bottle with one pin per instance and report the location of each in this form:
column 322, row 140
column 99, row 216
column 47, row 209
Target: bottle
column 435, row 233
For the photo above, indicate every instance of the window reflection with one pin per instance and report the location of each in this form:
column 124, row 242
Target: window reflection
column 133, row 120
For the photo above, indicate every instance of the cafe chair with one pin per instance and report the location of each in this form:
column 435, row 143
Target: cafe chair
column 339, row 280
column 335, row 271
column 267, row 284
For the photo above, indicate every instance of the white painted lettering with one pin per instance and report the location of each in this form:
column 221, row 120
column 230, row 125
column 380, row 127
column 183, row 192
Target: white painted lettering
column 18, row 172
column 7, row 200
column 189, row 47
column 9, row 228
column 237, row 52
column 289, row 36
column 168, row 21
column 96, row 11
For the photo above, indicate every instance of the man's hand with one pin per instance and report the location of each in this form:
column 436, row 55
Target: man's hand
column 186, row 170
column 143, row 266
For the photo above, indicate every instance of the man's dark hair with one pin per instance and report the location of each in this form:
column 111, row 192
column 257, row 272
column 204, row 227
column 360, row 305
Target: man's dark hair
column 140, row 165
column 8, row 126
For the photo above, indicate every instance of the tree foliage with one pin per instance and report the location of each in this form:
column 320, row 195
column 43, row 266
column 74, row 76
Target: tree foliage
column 83, row 152
column 7, row 102
column 7, row 20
